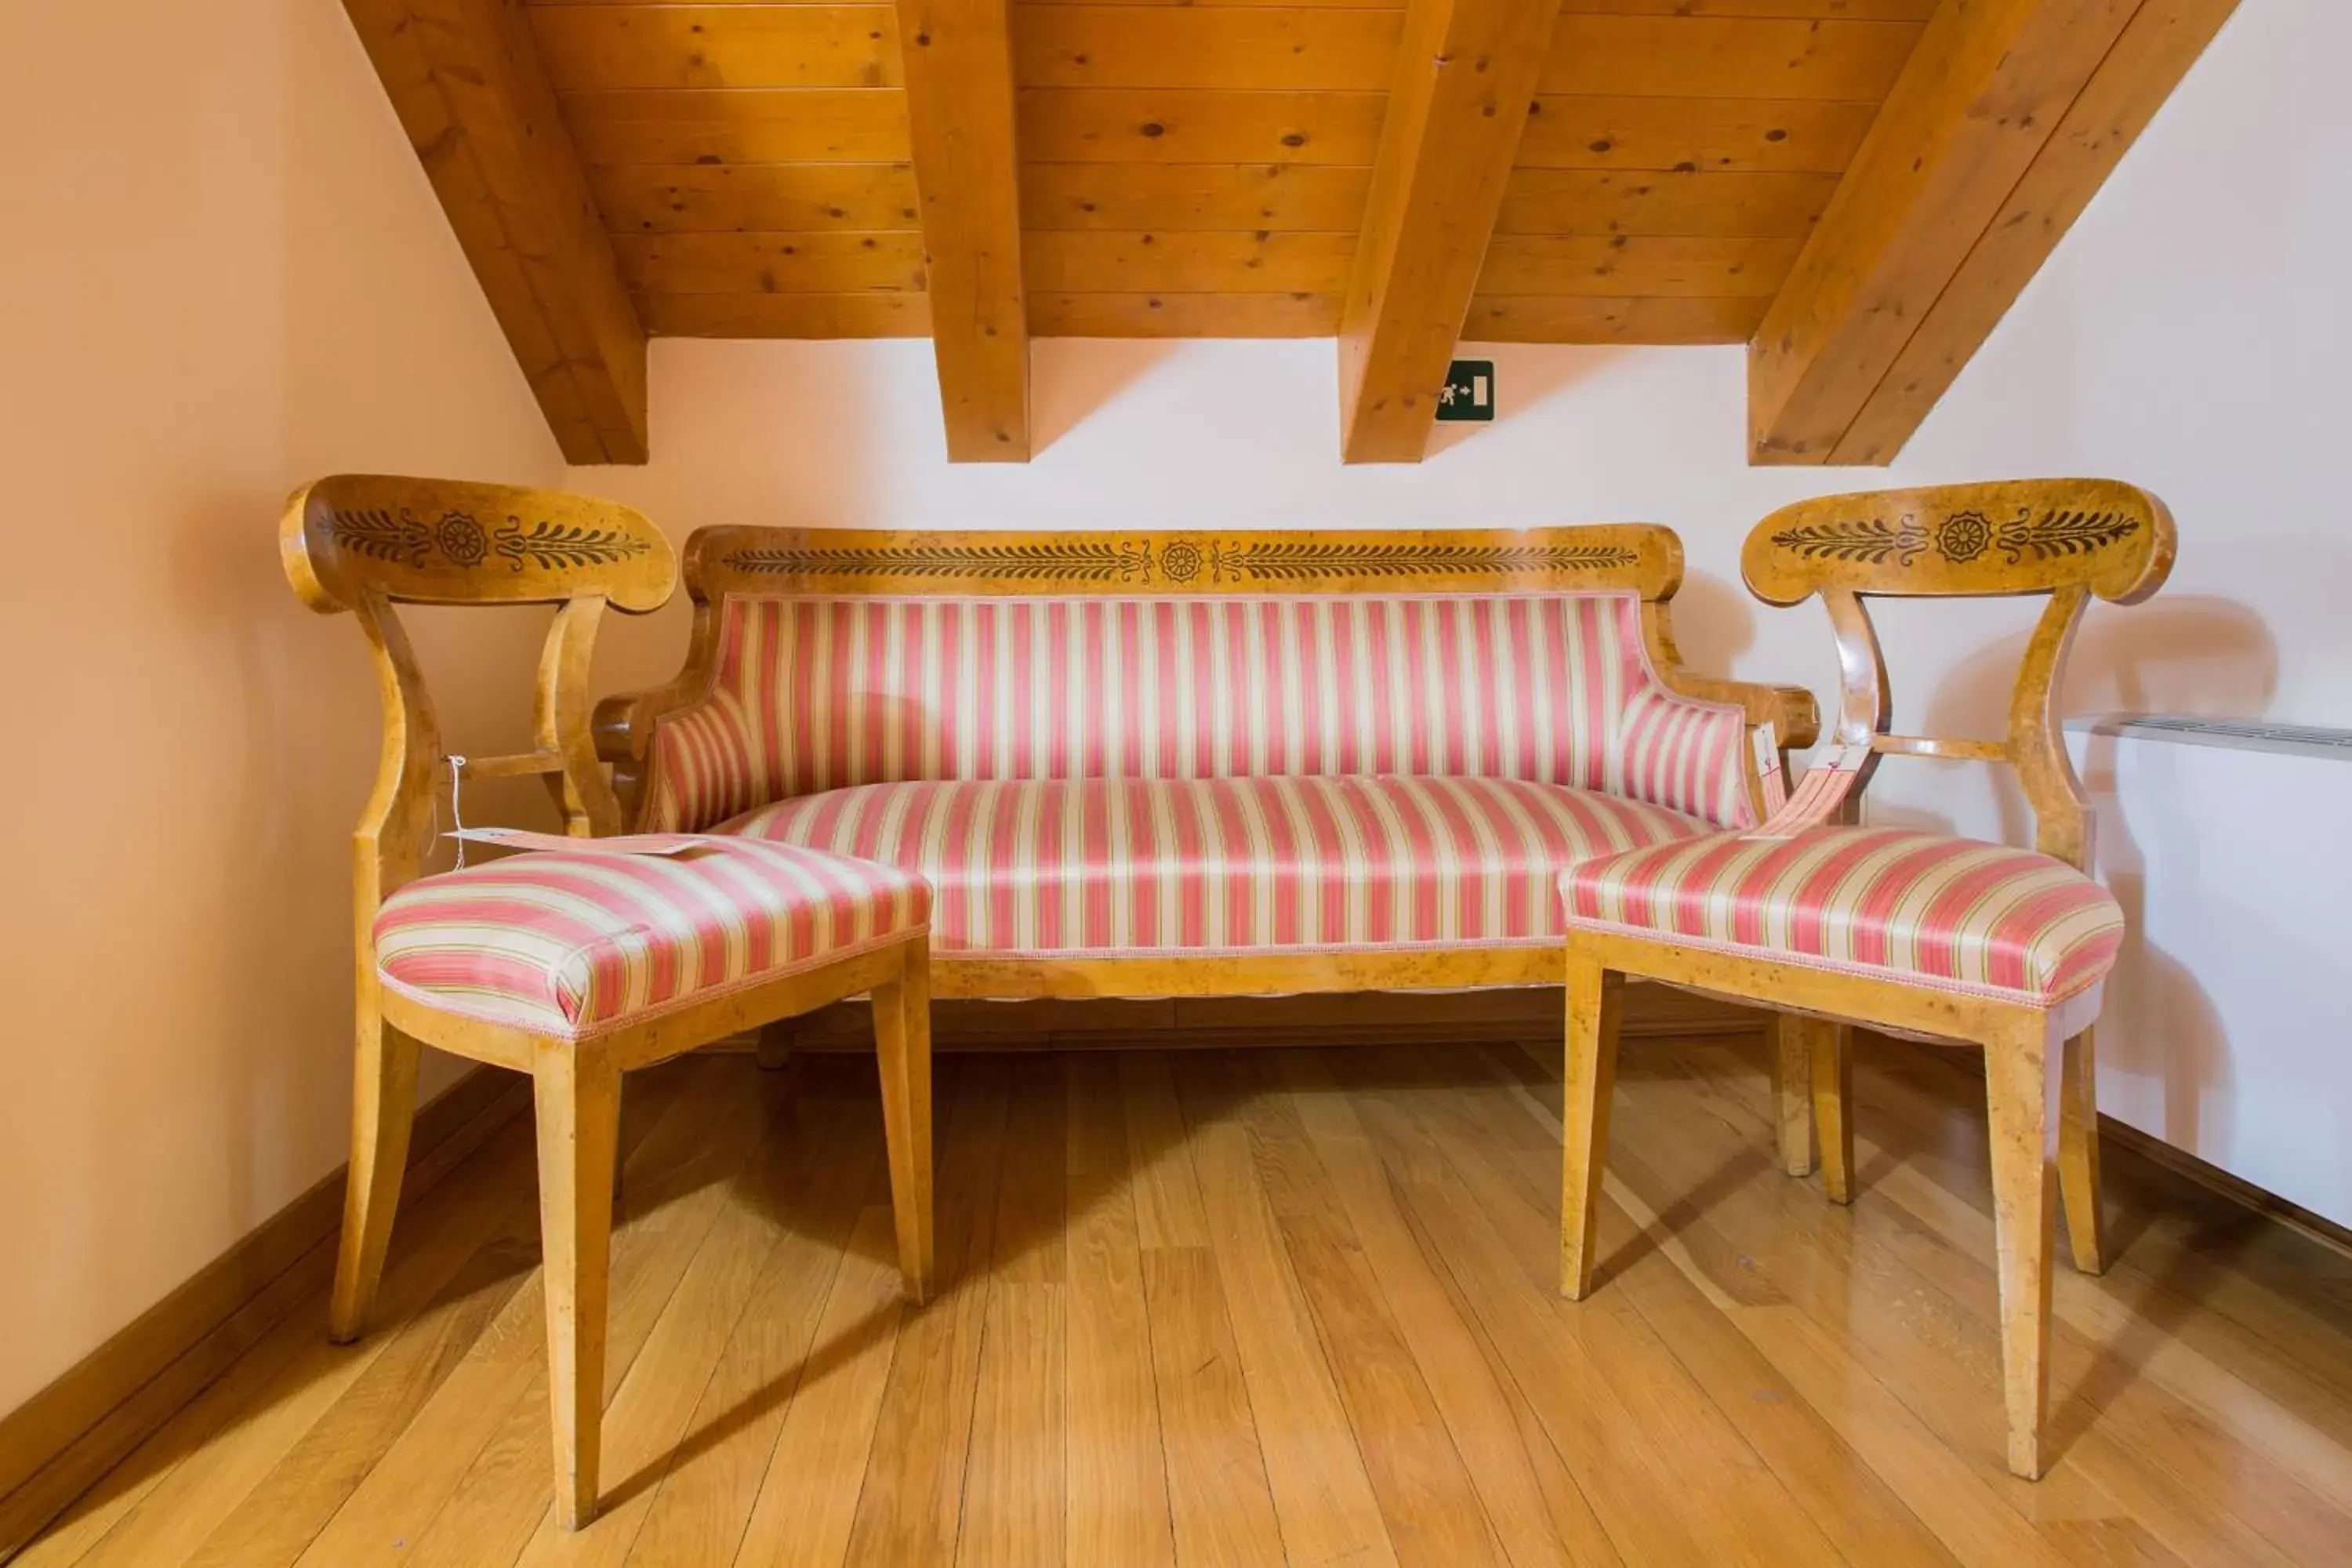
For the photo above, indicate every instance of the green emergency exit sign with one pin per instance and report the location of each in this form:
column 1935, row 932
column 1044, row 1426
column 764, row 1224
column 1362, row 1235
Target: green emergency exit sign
column 1468, row 392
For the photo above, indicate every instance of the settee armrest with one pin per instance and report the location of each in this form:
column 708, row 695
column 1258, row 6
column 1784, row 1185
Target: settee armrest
column 1795, row 717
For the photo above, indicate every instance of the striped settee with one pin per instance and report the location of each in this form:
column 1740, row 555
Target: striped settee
column 1173, row 763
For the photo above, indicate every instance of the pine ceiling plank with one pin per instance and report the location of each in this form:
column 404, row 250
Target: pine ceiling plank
column 855, row 315
column 1170, row 126
column 1292, row 197
column 1083, row 262
column 1294, row 315
column 1988, row 85
column 2156, row 51
column 960, row 112
column 717, row 46
column 1627, row 264
column 1727, row 57
column 1693, row 135
column 1589, row 319
column 743, row 125
column 771, row 198
column 1748, row 205
column 1461, row 98
column 1255, row 47
column 1844, row 10
column 465, row 79
column 769, row 263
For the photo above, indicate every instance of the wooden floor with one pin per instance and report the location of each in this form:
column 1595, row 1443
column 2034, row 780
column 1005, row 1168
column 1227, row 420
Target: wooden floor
column 1255, row 1307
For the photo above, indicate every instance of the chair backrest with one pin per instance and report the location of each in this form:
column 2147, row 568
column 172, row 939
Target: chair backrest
column 2068, row 538
column 365, row 543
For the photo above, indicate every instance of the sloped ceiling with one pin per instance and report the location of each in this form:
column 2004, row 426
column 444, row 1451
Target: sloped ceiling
column 1856, row 188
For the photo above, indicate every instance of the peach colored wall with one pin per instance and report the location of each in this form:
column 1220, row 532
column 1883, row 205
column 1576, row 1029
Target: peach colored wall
column 223, row 274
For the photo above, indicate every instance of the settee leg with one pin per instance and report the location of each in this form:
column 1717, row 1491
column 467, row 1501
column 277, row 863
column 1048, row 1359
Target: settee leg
column 1789, row 1043
column 1594, row 1001
column 775, row 1047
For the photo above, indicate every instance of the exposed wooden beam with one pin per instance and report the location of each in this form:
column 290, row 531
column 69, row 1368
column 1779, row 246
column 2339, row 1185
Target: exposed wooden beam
column 1465, row 77
column 2164, row 39
column 959, row 71
column 1981, row 99
column 465, row 78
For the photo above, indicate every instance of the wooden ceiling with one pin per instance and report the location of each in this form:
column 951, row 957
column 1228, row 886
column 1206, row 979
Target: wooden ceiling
column 1857, row 188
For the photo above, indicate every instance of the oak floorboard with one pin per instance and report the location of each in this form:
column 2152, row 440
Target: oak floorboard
column 1211, row 1307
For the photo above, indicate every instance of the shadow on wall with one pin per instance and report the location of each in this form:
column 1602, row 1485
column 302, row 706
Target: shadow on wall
column 1075, row 379
column 279, row 878
column 1714, row 623
column 1526, row 378
column 2190, row 654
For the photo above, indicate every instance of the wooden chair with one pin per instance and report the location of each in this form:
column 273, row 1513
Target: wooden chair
column 576, row 965
column 1914, row 935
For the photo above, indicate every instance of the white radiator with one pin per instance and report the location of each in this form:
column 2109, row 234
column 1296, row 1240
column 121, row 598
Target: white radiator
column 2226, row 1030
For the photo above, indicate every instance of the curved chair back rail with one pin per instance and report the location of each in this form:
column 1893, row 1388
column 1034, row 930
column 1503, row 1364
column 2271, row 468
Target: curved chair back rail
column 2067, row 539
column 366, row 542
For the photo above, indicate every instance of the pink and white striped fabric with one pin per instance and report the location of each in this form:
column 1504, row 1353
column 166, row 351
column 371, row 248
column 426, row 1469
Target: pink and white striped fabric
column 574, row 942
column 1953, row 914
column 815, row 694
column 1115, row 866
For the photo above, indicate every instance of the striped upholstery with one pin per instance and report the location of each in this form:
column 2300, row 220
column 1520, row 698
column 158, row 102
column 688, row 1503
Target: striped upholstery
column 575, row 941
column 814, row 694
column 1129, row 866
column 1950, row 912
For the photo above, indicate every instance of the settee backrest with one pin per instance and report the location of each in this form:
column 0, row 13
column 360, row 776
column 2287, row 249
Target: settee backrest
column 1516, row 656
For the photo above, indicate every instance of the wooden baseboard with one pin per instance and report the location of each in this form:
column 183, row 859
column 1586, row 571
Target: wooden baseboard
column 2168, row 1157
column 1406, row 1017
column 59, row 1443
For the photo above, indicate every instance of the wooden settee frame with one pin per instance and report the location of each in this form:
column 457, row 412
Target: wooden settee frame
column 1645, row 559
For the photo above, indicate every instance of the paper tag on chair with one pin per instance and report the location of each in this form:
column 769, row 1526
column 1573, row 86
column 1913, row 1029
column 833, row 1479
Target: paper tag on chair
column 1818, row 795
column 619, row 843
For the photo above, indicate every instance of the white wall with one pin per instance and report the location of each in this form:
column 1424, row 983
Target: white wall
column 2189, row 336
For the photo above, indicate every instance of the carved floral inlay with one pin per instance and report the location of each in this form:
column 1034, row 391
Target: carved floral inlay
column 1959, row 538
column 1178, row 561
column 459, row 539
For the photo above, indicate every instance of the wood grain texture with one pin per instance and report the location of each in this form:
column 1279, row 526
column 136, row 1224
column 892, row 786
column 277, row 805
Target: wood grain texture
column 1601, row 319
column 1455, row 111
column 2062, row 539
column 363, row 544
column 769, row 198
column 2164, row 39
column 465, row 78
column 732, row 127
column 1782, row 57
column 1744, row 205
column 1987, row 88
column 593, row 47
column 1228, row 196
column 959, row 108
column 57, row 1443
column 1214, row 125
column 1826, row 1390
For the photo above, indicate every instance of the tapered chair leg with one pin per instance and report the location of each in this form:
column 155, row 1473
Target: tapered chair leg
column 578, row 1104
column 1790, row 1046
column 2078, row 1156
column 1832, row 1054
column 1594, row 999
column 902, row 1037
column 2022, row 1092
column 384, row 1109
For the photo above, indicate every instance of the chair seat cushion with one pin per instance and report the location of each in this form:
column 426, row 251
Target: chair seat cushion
column 1131, row 866
column 578, row 943
column 1947, row 912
